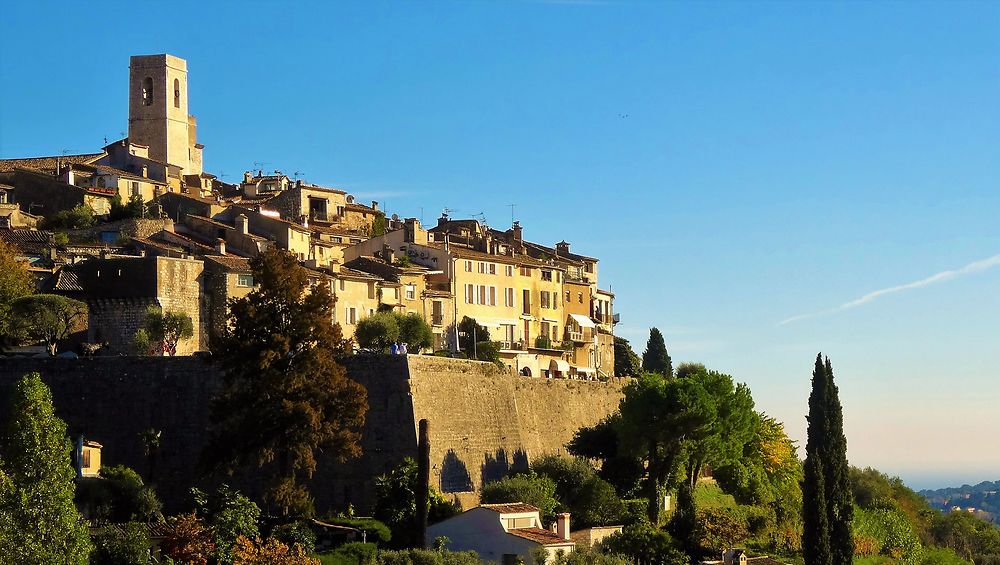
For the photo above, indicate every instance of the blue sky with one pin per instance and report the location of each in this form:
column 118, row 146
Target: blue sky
column 733, row 164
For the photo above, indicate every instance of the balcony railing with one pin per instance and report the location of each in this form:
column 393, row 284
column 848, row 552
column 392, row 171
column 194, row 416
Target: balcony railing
column 512, row 345
column 575, row 336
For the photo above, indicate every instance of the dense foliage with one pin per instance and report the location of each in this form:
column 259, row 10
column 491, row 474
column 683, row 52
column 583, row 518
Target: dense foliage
column 284, row 396
column 15, row 282
column 38, row 521
column 627, row 363
column 78, row 217
column 161, row 331
column 396, row 503
column 529, row 488
column 378, row 332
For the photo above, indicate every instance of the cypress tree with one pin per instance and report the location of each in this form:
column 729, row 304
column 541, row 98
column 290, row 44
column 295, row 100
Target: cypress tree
column 656, row 359
column 36, row 495
column 826, row 490
column 839, row 496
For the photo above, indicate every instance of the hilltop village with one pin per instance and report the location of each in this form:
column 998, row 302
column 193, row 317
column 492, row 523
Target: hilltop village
column 140, row 222
column 272, row 372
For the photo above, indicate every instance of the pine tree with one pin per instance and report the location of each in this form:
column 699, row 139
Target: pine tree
column 826, row 490
column 39, row 522
column 656, row 359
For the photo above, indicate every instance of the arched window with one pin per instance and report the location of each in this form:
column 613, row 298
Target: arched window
column 147, row 91
column 177, row 93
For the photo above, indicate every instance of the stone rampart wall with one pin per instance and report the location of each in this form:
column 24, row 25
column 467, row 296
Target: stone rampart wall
column 485, row 421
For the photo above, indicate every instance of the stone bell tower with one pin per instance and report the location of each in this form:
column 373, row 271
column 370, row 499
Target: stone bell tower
column 158, row 111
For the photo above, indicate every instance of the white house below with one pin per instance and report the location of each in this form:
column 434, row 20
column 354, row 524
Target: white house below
column 502, row 533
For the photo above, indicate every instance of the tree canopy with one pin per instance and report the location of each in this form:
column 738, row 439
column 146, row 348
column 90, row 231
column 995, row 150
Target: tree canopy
column 380, row 331
column 38, row 522
column 284, row 396
column 15, row 282
column 655, row 358
column 627, row 363
column 162, row 330
column 49, row 318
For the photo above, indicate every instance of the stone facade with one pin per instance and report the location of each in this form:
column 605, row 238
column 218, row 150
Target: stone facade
column 485, row 421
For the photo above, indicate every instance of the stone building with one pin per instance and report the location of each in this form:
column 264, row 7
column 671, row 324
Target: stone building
column 158, row 112
column 516, row 289
column 120, row 289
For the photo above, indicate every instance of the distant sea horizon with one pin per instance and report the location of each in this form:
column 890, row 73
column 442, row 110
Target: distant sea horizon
column 933, row 480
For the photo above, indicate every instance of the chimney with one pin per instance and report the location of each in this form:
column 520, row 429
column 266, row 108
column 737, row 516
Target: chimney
column 168, row 224
column 518, row 232
column 562, row 525
column 412, row 232
column 350, row 199
column 145, row 171
column 220, row 246
column 242, row 224
column 562, row 248
column 387, row 254
column 374, row 204
column 247, row 177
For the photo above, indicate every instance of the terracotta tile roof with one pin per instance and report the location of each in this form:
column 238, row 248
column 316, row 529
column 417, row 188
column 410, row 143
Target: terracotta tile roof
column 539, row 535
column 510, row 507
column 125, row 174
column 358, row 207
column 49, row 163
column 67, row 281
column 466, row 253
column 354, row 273
column 230, row 263
column 216, row 223
column 19, row 237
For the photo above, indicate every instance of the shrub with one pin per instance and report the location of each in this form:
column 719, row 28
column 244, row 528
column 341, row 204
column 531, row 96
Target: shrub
column 488, row 351
column 643, row 543
column 79, row 217
column 375, row 531
column 268, row 552
column 125, row 546
column 131, row 499
column 529, row 488
column 296, row 533
column 189, row 541
column 414, row 331
column 378, row 332
column 427, row 557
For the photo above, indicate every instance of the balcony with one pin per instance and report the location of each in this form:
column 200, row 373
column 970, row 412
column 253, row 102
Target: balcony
column 512, row 345
column 576, row 336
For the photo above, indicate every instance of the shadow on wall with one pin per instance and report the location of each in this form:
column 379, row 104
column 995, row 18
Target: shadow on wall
column 496, row 467
column 455, row 474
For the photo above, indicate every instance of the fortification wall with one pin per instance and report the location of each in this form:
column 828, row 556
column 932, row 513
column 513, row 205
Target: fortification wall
column 485, row 421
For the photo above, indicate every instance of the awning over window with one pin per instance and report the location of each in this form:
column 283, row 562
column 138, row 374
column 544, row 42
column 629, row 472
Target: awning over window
column 583, row 321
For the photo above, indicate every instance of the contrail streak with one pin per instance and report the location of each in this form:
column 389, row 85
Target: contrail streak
column 943, row 276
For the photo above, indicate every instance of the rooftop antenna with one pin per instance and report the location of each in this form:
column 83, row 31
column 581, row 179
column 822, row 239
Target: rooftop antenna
column 447, row 212
column 121, row 133
column 105, row 140
column 296, row 174
column 259, row 165
column 277, row 172
column 512, row 213
column 421, row 215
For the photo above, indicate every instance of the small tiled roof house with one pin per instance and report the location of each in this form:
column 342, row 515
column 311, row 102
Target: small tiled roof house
column 502, row 533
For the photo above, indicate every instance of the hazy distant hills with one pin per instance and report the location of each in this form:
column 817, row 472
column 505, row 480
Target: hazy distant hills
column 983, row 499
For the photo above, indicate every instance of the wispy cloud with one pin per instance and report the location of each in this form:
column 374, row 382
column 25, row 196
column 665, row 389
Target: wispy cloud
column 943, row 276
